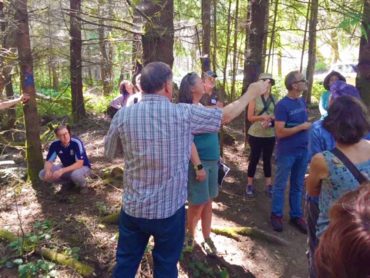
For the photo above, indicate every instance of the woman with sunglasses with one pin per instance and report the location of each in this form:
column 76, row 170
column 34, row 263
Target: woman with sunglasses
column 261, row 136
column 203, row 171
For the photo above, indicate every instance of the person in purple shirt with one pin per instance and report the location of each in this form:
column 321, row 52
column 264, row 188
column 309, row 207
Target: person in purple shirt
column 291, row 129
column 75, row 165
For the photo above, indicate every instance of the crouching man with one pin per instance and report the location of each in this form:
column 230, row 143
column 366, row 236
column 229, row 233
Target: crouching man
column 75, row 165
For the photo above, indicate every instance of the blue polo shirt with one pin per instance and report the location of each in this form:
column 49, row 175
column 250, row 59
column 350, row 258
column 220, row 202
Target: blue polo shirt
column 293, row 112
column 70, row 154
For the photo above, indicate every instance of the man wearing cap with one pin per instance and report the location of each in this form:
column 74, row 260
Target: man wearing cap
column 291, row 128
column 212, row 96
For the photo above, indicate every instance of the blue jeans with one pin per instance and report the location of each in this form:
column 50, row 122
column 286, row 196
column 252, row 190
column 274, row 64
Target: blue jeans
column 295, row 165
column 134, row 233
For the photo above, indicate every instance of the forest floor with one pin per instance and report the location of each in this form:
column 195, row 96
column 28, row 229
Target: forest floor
column 74, row 224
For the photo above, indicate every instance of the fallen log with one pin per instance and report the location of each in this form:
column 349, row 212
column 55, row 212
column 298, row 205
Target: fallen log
column 235, row 232
column 59, row 258
column 83, row 269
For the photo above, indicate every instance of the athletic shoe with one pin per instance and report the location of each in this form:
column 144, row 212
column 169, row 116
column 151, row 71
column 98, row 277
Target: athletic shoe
column 250, row 191
column 209, row 247
column 189, row 244
column 276, row 223
column 299, row 223
column 269, row 191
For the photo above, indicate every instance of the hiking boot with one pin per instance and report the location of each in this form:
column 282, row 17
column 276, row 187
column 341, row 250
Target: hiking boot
column 276, row 223
column 250, row 191
column 189, row 244
column 209, row 247
column 268, row 191
column 299, row 223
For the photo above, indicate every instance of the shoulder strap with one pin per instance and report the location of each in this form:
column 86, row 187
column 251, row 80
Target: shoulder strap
column 266, row 104
column 350, row 166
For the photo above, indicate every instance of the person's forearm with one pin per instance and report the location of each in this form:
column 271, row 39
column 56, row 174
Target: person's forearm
column 9, row 103
column 286, row 132
column 48, row 165
column 77, row 165
column 254, row 118
column 232, row 110
column 194, row 157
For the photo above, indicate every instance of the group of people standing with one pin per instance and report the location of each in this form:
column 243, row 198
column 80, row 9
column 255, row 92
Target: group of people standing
column 171, row 154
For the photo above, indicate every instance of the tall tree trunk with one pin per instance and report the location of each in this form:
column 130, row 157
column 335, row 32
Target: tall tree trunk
column 33, row 151
column 228, row 35
column 311, row 50
column 235, row 49
column 305, row 35
column 106, row 53
column 258, row 11
column 78, row 106
column 255, row 39
column 137, row 48
column 158, row 38
column 363, row 75
column 214, row 36
column 272, row 38
column 206, row 33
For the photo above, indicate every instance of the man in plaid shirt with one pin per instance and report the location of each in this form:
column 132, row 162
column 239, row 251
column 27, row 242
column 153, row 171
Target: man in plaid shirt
column 155, row 136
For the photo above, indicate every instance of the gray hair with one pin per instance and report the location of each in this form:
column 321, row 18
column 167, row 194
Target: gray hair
column 187, row 83
column 290, row 78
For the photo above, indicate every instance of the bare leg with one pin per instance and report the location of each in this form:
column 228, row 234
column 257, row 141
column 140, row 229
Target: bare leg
column 193, row 216
column 206, row 217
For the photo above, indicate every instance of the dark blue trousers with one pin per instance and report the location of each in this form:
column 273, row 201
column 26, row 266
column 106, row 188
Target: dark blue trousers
column 134, row 233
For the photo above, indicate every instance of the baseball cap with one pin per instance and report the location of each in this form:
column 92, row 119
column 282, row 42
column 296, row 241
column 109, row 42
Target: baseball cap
column 211, row 73
column 265, row 76
column 340, row 88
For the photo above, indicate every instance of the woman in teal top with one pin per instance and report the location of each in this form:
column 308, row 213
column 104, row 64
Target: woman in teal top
column 203, row 171
column 325, row 97
column 329, row 178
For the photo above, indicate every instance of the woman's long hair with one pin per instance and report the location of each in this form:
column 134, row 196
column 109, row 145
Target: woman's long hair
column 185, row 91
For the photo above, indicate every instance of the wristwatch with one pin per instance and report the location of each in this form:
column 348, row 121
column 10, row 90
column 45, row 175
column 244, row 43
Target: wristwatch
column 198, row 167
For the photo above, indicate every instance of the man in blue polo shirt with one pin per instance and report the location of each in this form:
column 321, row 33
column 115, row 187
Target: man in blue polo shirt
column 291, row 129
column 75, row 164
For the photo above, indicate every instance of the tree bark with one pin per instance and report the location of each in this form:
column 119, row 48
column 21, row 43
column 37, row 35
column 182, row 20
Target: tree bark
column 106, row 54
column 235, row 50
column 363, row 75
column 33, row 143
column 311, row 50
column 78, row 106
column 206, row 33
column 305, row 35
column 253, row 63
column 214, row 37
column 228, row 35
column 158, row 37
column 272, row 38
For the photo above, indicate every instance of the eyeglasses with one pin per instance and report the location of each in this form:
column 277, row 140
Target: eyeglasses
column 299, row 81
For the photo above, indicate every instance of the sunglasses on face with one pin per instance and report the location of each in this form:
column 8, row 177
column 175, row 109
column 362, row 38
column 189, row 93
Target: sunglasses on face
column 272, row 81
column 299, row 81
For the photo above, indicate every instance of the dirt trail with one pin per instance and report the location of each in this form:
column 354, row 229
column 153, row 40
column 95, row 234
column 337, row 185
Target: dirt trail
column 76, row 221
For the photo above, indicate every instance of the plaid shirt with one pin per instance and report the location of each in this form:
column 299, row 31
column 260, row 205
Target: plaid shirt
column 156, row 137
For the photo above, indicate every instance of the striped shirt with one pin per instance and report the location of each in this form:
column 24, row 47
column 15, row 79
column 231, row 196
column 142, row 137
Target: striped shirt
column 156, row 137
